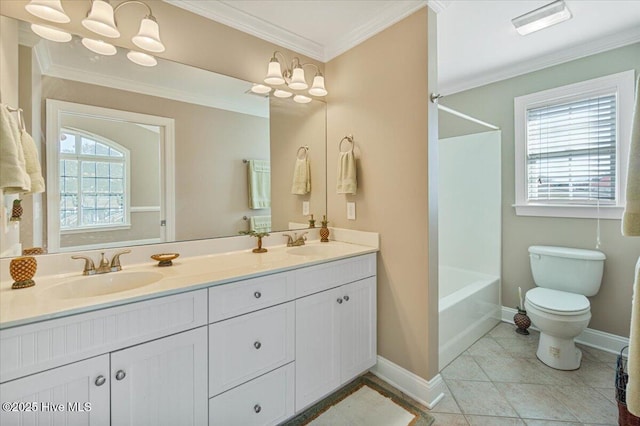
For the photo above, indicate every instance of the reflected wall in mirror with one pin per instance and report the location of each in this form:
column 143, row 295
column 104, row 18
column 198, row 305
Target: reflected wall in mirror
column 217, row 123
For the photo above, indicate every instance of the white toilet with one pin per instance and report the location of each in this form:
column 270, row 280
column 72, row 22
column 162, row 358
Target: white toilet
column 558, row 306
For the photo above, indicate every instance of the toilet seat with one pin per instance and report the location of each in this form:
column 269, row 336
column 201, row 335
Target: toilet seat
column 557, row 302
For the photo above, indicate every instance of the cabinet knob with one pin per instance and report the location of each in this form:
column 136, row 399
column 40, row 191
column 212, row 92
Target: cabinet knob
column 257, row 345
column 257, row 295
column 257, row 408
column 339, row 301
column 346, row 298
column 120, row 374
column 100, row 380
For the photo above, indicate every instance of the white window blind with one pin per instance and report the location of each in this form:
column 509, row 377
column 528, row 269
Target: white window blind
column 571, row 151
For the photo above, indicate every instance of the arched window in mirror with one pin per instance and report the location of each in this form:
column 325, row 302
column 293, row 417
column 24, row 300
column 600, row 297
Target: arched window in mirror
column 94, row 182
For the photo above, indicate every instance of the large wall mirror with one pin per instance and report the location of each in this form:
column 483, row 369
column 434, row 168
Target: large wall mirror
column 138, row 155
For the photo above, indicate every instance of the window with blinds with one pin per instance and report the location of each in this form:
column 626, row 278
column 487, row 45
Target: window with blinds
column 572, row 146
column 571, row 151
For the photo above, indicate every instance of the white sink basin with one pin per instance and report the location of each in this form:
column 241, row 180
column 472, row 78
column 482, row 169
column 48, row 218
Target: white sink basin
column 314, row 250
column 103, row 284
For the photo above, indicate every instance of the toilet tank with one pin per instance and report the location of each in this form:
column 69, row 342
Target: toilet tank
column 567, row 269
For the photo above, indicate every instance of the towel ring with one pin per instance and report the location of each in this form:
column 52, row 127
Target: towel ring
column 305, row 152
column 348, row 138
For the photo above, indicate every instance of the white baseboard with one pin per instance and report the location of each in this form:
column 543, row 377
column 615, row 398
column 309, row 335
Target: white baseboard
column 426, row 392
column 594, row 338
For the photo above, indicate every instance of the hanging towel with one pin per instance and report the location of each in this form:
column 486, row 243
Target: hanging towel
column 633, row 363
column 347, row 183
column 32, row 163
column 301, row 177
column 13, row 173
column 631, row 217
column 259, row 180
column 260, row 223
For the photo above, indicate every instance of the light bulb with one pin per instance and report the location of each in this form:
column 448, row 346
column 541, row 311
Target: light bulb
column 274, row 73
column 317, row 89
column 101, row 20
column 148, row 37
column 297, row 79
column 50, row 10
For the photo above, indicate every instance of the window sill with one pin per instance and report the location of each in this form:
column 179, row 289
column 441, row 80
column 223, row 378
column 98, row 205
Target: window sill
column 581, row 212
column 95, row 229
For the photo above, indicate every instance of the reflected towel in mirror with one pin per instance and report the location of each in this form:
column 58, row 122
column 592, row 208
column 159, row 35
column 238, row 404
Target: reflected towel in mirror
column 301, row 176
column 260, row 223
column 259, row 181
column 13, row 172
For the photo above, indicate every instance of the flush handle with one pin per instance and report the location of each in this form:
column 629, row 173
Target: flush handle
column 257, row 295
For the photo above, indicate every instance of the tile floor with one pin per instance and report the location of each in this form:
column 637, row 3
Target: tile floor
column 499, row 381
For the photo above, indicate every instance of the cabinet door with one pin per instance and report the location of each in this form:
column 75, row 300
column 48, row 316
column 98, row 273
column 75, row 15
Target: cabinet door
column 163, row 382
column 317, row 346
column 357, row 328
column 75, row 394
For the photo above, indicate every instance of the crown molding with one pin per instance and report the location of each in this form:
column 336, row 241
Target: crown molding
column 556, row 58
column 234, row 18
column 438, row 5
column 391, row 14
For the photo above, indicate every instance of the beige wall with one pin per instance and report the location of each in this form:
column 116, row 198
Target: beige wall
column 210, row 144
column 379, row 94
column 611, row 308
column 294, row 125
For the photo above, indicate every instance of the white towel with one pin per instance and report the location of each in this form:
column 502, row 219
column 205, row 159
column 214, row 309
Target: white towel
column 13, row 172
column 633, row 363
column 347, row 182
column 631, row 217
column 260, row 223
column 259, row 181
column 32, row 163
column 301, row 177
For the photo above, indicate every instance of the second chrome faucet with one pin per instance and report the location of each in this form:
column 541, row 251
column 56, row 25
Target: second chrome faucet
column 104, row 266
column 295, row 240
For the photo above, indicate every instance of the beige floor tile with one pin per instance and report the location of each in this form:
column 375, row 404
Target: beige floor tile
column 503, row 330
column 445, row 419
column 486, row 346
column 447, row 404
column 520, row 346
column 610, row 394
column 522, row 370
column 555, row 377
column 598, row 355
column 530, row 422
column 587, row 404
column 481, row 398
column 534, row 401
column 464, row 368
column 596, row 374
column 494, row 421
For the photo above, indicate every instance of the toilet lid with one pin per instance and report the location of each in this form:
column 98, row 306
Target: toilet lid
column 555, row 301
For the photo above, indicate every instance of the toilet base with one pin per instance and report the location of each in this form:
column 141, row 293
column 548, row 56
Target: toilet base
column 559, row 353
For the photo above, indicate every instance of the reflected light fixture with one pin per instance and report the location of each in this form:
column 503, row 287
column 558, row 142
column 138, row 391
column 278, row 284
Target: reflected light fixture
column 51, row 33
column 279, row 73
column 260, row 88
column 282, row 94
column 302, row 99
column 99, row 46
column 141, row 58
column 541, row 18
column 49, row 10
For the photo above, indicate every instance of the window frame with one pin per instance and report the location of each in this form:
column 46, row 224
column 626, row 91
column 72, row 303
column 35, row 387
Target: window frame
column 125, row 160
column 623, row 85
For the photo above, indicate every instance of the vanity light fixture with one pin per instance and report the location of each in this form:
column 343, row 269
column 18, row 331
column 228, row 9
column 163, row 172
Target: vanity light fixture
column 541, row 18
column 51, row 33
column 100, row 20
column 49, row 10
column 293, row 75
column 99, row 46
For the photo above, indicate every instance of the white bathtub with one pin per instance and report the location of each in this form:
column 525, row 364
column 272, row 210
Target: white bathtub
column 469, row 307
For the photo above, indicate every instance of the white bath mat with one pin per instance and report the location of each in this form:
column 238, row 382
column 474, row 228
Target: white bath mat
column 365, row 407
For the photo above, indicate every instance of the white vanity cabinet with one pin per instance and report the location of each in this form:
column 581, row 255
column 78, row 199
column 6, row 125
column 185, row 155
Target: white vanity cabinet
column 335, row 338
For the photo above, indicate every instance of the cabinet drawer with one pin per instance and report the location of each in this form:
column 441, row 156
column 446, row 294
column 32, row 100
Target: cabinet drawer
column 239, row 298
column 36, row 347
column 267, row 400
column 333, row 274
column 244, row 347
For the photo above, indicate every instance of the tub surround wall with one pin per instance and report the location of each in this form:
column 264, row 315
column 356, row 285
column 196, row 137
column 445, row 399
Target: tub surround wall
column 611, row 307
column 379, row 94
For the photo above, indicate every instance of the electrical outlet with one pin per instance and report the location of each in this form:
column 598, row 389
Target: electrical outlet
column 351, row 211
column 305, row 208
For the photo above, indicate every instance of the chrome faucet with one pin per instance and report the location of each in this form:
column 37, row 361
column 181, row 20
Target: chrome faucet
column 104, row 266
column 295, row 240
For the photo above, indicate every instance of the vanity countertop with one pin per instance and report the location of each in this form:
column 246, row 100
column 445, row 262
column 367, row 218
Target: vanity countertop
column 43, row 302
